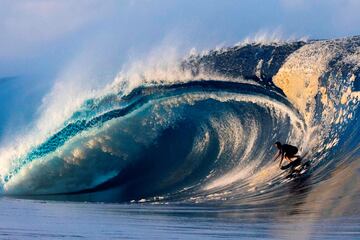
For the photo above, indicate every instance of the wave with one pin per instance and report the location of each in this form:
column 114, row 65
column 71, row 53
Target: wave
column 205, row 136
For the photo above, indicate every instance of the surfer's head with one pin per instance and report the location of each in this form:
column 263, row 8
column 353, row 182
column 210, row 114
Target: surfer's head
column 278, row 145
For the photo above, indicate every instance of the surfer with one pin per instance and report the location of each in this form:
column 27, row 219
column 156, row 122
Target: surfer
column 288, row 152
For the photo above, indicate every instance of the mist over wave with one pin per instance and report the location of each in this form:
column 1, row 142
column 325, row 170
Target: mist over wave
column 198, row 130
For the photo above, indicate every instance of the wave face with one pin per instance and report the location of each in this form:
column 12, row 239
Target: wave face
column 207, row 136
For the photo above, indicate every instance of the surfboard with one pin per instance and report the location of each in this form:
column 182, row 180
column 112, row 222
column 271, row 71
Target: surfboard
column 299, row 170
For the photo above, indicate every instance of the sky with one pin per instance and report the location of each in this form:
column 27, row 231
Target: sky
column 80, row 45
column 59, row 50
column 42, row 37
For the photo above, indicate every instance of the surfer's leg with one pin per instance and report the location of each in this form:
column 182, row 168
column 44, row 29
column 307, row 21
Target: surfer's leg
column 292, row 164
column 297, row 161
column 295, row 164
column 286, row 166
column 288, row 157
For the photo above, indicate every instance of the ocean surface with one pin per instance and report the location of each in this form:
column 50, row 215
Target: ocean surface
column 184, row 150
column 29, row 219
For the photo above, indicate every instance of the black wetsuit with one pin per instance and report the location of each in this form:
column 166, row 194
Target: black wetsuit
column 289, row 151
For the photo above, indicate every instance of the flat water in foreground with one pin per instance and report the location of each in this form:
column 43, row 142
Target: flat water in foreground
column 25, row 219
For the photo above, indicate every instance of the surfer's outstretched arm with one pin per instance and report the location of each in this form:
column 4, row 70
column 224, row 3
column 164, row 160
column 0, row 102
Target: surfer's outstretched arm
column 282, row 158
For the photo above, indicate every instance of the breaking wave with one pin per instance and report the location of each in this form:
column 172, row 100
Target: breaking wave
column 205, row 136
